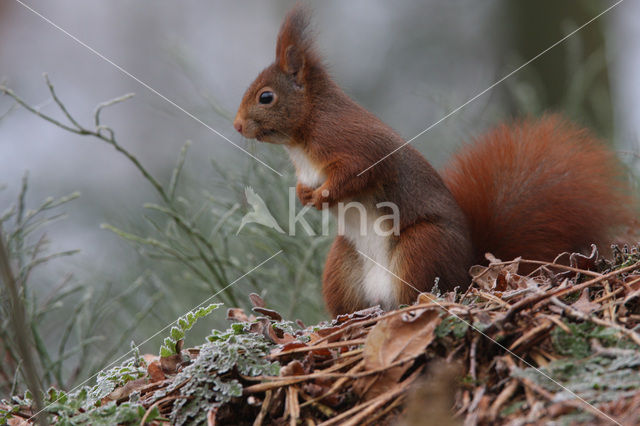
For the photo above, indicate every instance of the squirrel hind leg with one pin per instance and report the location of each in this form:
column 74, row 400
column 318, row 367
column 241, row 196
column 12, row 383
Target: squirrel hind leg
column 341, row 278
column 426, row 252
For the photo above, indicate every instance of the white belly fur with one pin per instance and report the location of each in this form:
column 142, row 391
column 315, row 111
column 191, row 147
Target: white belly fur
column 377, row 281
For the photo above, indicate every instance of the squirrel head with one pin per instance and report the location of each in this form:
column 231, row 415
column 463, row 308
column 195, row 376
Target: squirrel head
column 276, row 105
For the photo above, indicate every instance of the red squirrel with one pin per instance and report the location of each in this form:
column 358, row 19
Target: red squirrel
column 533, row 189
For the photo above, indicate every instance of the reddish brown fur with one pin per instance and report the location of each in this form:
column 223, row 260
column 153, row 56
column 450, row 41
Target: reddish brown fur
column 535, row 189
column 538, row 188
column 424, row 253
column 342, row 267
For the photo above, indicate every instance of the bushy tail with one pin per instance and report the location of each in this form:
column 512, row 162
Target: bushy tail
column 538, row 188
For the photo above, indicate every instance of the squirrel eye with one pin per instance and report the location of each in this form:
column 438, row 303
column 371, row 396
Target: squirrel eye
column 266, row 97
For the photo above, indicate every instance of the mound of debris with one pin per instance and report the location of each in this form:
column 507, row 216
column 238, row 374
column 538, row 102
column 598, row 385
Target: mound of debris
column 559, row 344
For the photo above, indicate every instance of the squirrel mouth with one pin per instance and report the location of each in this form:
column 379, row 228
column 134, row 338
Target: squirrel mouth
column 272, row 136
column 264, row 133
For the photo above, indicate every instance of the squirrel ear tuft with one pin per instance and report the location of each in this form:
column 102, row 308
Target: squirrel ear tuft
column 294, row 60
column 294, row 42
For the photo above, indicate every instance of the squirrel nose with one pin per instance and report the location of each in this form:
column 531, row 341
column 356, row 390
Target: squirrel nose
column 238, row 125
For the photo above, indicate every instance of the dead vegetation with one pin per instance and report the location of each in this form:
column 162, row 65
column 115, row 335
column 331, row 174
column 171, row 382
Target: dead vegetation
column 560, row 344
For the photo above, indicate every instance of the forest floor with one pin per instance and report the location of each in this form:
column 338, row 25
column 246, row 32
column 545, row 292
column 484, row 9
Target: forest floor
column 560, row 345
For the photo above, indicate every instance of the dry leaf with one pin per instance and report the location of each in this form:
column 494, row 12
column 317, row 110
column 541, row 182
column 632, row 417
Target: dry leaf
column 427, row 298
column 400, row 337
column 126, row 390
column 584, row 304
column 237, row 314
column 256, row 300
column 578, row 260
column 294, row 368
column 486, row 277
column 155, row 372
column 170, row 364
column 368, row 313
column 269, row 313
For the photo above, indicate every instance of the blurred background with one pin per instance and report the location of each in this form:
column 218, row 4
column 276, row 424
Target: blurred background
column 146, row 256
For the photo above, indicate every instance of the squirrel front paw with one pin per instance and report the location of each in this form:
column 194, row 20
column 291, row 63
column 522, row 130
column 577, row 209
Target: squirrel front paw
column 305, row 194
column 312, row 197
column 320, row 198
